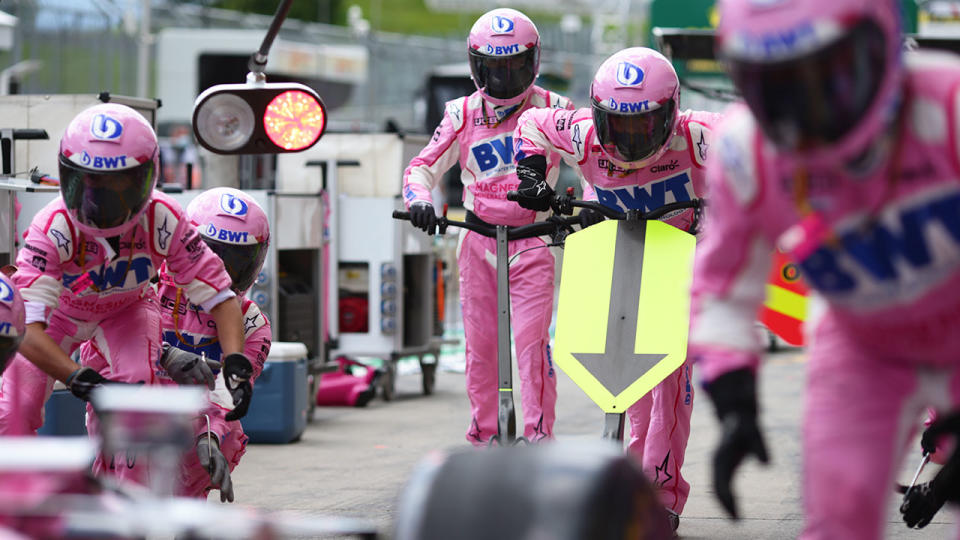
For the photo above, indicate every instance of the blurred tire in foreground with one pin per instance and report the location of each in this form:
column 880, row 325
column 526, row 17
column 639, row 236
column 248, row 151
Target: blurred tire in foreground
column 557, row 491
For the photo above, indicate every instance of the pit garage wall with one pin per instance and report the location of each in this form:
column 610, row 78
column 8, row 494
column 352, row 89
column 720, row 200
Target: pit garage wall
column 363, row 233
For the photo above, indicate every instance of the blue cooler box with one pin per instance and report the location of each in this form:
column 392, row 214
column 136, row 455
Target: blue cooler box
column 278, row 410
column 64, row 414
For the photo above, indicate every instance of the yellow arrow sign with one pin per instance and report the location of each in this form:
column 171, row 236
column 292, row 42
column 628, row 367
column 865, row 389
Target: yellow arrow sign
column 624, row 308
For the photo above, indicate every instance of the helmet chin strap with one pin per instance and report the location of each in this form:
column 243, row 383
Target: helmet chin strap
column 503, row 112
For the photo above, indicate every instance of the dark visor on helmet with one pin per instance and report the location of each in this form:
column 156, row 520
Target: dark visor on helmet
column 817, row 99
column 504, row 77
column 105, row 199
column 242, row 262
column 634, row 136
column 8, row 347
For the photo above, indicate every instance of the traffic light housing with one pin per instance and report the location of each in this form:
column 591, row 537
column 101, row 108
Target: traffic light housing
column 258, row 118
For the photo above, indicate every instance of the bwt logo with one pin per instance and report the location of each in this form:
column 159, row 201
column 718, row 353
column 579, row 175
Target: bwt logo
column 501, row 50
column 890, row 252
column 102, row 162
column 6, row 292
column 115, row 275
column 233, row 205
column 777, row 43
column 490, row 155
column 233, row 237
column 629, row 74
column 189, row 342
column 765, row 3
column 628, row 107
column 501, row 25
column 647, row 197
column 106, row 128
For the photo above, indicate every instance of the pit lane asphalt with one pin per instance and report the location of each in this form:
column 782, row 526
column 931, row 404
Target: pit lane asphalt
column 354, row 461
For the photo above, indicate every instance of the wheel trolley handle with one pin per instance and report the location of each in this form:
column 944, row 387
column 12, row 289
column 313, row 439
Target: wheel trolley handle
column 565, row 204
column 531, row 230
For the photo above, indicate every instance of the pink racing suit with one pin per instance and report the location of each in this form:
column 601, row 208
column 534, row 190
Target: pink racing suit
column 188, row 327
column 660, row 421
column 480, row 137
column 882, row 246
column 22, row 493
column 86, row 289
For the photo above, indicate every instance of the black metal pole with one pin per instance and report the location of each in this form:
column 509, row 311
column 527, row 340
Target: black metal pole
column 258, row 61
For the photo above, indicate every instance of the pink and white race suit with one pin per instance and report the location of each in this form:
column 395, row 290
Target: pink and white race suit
column 86, row 289
column 660, row 421
column 189, row 327
column 480, row 137
column 883, row 249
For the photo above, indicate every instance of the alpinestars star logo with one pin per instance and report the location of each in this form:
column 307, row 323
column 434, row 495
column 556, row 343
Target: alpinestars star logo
column 249, row 323
column 474, row 432
column 163, row 234
column 702, row 147
column 663, row 469
column 538, row 433
column 62, row 241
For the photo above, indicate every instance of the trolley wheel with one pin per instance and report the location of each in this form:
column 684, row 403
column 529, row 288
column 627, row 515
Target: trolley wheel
column 313, row 386
column 388, row 382
column 429, row 372
column 772, row 344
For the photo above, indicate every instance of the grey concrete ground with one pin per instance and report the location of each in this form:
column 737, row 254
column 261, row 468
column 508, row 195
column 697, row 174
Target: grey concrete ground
column 353, row 462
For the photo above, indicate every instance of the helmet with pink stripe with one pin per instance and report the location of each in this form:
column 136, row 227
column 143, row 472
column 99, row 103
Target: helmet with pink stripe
column 12, row 325
column 236, row 228
column 822, row 77
column 504, row 50
column 634, row 96
column 109, row 162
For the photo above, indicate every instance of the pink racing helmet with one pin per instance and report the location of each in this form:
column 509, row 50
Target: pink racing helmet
column 12, row 321
column 822, row 77
column 235, row 227
column 635, row 95
column 109, row 162
column 504, row 50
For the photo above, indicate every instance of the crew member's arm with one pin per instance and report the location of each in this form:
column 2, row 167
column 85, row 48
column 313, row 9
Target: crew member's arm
column 229, row 325
column 48, row 243
column 425, row 170
column 730, row 271
column 44, row 353
column 539, row 133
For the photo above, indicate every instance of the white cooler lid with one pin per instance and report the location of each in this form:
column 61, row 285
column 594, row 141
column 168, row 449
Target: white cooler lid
column 286, row 351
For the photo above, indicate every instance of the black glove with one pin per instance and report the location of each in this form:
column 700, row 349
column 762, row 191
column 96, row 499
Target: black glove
column 533, row 192
column 735, row 396
column 423, row 217
column 236, row 374
column 83, row 381
column 925, row 500
column 185, row 367
column 589, row 217
column 920, row 505
column 211, row 459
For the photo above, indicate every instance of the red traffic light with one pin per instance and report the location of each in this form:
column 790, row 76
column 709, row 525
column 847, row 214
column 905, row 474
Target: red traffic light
column 294, row 120
column 266, row 118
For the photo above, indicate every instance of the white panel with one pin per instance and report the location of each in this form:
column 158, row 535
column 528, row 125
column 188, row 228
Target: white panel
column 380, row 173
column 299, row 222
column 367, row 233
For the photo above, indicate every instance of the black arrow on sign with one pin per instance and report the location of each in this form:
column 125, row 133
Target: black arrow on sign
column 617, row 367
